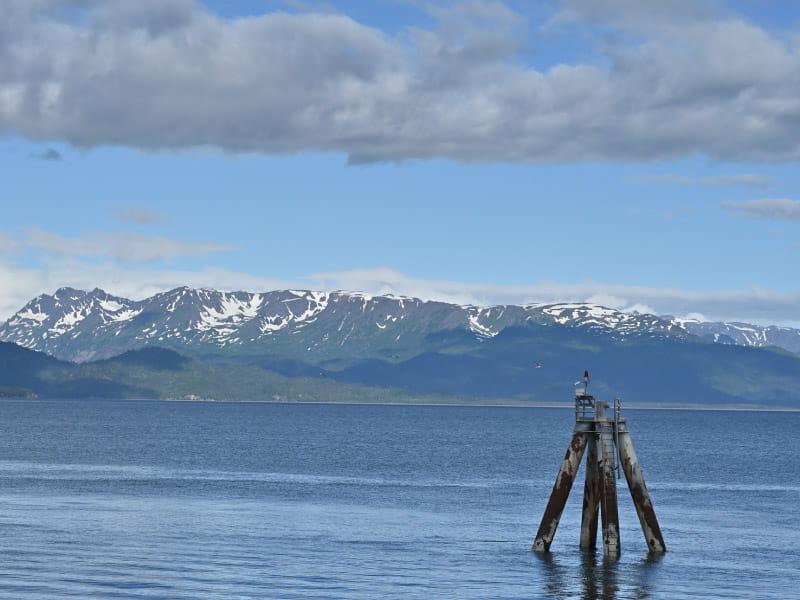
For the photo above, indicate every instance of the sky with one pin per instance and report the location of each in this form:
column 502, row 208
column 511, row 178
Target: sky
column 640, row 154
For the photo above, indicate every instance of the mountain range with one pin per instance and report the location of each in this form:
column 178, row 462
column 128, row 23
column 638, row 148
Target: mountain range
column 419, row 348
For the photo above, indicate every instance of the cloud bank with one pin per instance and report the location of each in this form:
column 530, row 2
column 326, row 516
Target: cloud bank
column 780, row 209
column 120, row 246
column 50, row 154
column 743, row 180
column 135, row 265
column 754, row 304
column 138, row 215
column 18, row 284
column 171, row 75
column 138, row 265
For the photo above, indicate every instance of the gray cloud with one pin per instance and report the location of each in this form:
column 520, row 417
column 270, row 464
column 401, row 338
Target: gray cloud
column 125, row 247
column 314, row 6
column 138, row 215
column 152, row 17
column 744, row 180
column 7, row 243
column 650, row 15
column 49, row 154
column 782, row 209
column 169, row 74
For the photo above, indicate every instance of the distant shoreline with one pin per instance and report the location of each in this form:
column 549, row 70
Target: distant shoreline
column 498, row 404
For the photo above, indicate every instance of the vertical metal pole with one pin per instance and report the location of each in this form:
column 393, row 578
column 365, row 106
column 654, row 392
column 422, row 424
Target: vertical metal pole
column 560, row 493
column 591, row 497
column 617, row 410
column 639, row 493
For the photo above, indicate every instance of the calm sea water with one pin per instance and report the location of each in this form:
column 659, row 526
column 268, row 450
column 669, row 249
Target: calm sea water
column 193, row 500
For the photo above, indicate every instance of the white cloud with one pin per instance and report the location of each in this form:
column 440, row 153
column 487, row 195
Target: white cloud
column 131, row 247
column 695, row 316
column 7, row 243
column 753, row 304
column 744, row 180
column 141, row 283
column 641, row 308
column 20, row 284
column 781, row 209
column 170, row 74
column 17, row 286
column 138, row 215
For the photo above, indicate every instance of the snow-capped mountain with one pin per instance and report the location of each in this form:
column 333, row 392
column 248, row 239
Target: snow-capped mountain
column 600, row 318
column 79, row 325
column 745, row 334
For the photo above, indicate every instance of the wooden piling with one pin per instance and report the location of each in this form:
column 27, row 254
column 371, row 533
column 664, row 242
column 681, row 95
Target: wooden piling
column 608, row 489
column 560, row 493
column 591, row 497
column 639, row 493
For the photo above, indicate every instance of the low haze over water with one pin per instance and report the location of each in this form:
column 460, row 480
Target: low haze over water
column 220, row 500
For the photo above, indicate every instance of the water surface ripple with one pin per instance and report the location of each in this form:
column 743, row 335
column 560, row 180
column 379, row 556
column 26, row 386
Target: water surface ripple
column 109, row 499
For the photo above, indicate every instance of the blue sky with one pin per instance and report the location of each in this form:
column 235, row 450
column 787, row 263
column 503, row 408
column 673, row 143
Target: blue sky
column 619, row 198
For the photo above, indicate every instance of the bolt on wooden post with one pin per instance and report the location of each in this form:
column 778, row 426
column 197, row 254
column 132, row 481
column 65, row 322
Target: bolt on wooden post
column 606, row 441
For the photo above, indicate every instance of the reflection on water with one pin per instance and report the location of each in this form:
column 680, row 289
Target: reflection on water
column 595, row 577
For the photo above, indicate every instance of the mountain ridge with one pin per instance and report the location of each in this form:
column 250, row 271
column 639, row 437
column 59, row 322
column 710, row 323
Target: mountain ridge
column 308, row 344
column 161, row 374
column 81, row 325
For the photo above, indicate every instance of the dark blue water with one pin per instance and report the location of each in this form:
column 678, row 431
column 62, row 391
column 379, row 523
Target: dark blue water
column 193, row 500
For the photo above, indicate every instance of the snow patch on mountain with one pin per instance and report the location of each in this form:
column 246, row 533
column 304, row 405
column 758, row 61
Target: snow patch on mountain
column 746, row 334
column 316, row 303
column 69, row 320
column 110, row 305
column 587, row 313
column 481, row 329
column 74, row 323
column 594, row 316
column 125, row 314
column 231, row 311
column 29, row 315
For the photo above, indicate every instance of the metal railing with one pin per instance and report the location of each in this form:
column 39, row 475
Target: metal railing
column 617, row 415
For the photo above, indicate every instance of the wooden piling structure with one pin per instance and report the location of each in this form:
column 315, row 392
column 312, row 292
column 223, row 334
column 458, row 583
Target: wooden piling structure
column 605, row 440
column 591, row 498
column 639, row 493
column 608, row 489
column 561, row 488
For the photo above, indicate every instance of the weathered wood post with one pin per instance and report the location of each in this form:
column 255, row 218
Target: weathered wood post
column 639, row 493
column 605, row 438
column 560, row 493
column 591, row 497
column 608, row 482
